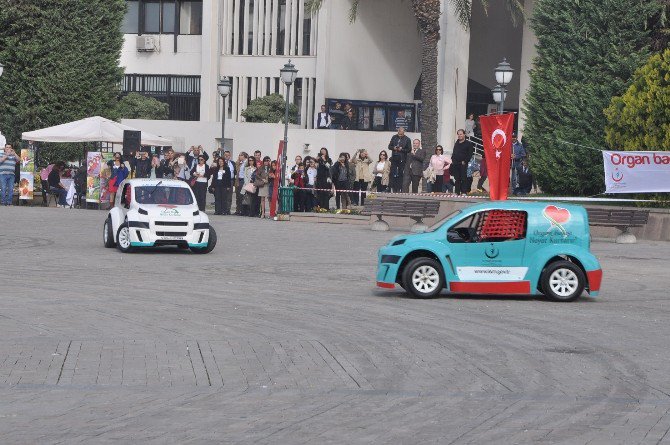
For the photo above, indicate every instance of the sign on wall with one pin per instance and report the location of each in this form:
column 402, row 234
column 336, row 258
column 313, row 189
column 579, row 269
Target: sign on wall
column 637, row 171
column 27, row 170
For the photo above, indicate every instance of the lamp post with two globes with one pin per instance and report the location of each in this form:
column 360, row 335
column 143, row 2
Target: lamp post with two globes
column 504, row 73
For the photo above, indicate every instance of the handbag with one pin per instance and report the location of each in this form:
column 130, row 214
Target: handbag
column 249, row 188
column 193, row 181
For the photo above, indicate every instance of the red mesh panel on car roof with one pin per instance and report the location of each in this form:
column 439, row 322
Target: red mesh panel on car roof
column 504, row 225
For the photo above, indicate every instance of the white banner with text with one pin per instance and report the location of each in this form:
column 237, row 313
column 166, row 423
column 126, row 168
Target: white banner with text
column 637, row 171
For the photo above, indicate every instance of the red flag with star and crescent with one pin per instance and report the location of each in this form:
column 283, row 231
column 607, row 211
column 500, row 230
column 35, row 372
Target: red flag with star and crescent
column 497, row 136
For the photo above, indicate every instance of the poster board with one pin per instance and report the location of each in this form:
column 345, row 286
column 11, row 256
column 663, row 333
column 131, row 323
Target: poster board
column 93, row 167
column 27, row 174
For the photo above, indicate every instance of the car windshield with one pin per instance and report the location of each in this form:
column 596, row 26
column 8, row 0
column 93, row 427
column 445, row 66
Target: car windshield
column 438, row 224
column 151, row 194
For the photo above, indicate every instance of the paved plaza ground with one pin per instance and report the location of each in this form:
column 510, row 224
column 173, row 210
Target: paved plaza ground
column 279, row 336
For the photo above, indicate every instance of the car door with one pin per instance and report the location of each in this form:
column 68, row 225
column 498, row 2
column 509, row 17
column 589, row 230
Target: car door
column 487, row 250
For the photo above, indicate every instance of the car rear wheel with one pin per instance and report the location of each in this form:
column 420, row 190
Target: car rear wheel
column 423, row 278
column 107, row 234
column 123, row 239
column 211, row 243
column 563, row 281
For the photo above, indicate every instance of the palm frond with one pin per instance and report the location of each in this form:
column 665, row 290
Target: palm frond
column 463, row 11
column 353, row 12
column 516, row 12
column 313, row 6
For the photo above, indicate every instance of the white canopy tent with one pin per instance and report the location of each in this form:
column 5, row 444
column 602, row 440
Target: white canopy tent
column 91, row 129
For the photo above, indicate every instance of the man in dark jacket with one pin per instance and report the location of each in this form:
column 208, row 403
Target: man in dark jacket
column 400, row 146
column 414, row 167
column 525, row 179
column 460, row 157
column 143, row 166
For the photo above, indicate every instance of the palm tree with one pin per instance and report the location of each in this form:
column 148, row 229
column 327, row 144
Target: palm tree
column 427, row 13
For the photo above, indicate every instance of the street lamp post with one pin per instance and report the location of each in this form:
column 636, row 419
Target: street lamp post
column 288, row 75
column 224, row 90
column 504, row 73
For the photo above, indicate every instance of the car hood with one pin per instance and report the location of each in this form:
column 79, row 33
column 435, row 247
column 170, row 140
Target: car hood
column 168, row 211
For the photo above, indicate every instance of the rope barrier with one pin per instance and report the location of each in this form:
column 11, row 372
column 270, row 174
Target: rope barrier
column 475, row 197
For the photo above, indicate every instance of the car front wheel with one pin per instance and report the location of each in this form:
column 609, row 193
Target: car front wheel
column 123, row 239
column 563, row 281
column 107, row 234
column 211, row 243
column 423, row 278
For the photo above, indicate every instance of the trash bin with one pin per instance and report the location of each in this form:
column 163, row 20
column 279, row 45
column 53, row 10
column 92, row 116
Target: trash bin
column 286, row 199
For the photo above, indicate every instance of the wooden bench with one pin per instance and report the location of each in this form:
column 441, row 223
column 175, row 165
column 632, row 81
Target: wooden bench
column 417, row 209
column 622, row 219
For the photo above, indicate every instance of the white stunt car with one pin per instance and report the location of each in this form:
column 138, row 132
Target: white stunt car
column 157, row 212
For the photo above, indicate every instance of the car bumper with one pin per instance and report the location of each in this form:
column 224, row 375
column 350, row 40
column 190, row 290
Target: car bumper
column 387, row 269
column 595, row 278
column 143, row 237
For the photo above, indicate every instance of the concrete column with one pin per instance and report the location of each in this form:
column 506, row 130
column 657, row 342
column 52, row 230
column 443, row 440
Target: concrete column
column 322, row 43
column 211, row 59
column 452, row 89
column 528, row 53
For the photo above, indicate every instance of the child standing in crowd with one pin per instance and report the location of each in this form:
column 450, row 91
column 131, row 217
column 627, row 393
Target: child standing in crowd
column 382, row 172
column 271, row 179
column 298, row 180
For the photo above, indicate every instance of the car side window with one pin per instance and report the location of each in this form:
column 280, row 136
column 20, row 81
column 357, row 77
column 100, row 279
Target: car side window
column 490, row 226
column 125, row 196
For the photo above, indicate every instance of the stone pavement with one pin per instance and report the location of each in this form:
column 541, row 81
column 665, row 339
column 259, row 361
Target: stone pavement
column 279, row 336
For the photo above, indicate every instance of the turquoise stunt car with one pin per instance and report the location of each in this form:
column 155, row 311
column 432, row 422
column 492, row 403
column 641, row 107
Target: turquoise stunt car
column 497, row 248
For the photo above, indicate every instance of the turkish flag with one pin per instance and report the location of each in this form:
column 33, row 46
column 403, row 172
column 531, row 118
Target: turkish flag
column 497, row 135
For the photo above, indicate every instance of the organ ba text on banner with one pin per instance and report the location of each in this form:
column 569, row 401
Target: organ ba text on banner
column 637, row 171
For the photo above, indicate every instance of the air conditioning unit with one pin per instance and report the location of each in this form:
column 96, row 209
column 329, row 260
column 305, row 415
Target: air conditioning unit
column 146, row 43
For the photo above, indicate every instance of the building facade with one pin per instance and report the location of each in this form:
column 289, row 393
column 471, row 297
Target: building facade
column 177, row 50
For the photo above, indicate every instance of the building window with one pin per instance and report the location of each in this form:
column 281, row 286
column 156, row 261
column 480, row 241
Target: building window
column 160, row 17
column 181, row 93
column 190, row 17
column 131, row 21
column 168, row 17
column 152, row 18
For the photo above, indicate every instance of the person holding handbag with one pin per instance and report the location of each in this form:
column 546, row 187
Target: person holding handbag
column 221, row 183
column 382, row 172
column 249, row 189
column 199, row 180
column 261, row 182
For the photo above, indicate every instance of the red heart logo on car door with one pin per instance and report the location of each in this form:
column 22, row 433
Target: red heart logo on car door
column 557, row 214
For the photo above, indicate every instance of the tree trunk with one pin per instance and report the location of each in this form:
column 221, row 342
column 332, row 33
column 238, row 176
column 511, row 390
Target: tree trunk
column 429, row 113
column 427, row 13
